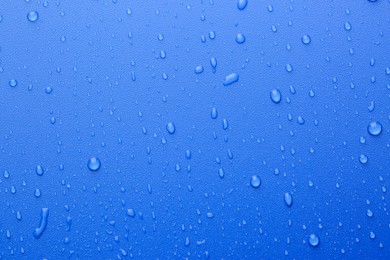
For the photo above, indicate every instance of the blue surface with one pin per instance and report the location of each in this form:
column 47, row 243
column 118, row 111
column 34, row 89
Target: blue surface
column 191, row 157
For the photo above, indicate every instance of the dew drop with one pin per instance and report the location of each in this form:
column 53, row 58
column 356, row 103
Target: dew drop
column 288, row 199
column 171, row 128
column 199, row 69
column 306, row 39
column 39, row 170
column 240, row 38
column 32, row 16
column 255, row 181
column 94, row 164
column 13, row 83
column 276, row 96
column 241, row 4
column 314, row 240
column 230, row 79
column 374, row 128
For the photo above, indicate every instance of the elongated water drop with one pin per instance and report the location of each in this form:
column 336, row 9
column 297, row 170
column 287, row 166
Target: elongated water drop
column 230, row 79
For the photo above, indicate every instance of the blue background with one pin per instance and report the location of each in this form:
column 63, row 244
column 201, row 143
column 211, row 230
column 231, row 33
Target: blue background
column 102, row 61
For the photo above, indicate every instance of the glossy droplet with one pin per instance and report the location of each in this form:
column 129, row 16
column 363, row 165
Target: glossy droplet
column 240, row 38
column 374, row 128
column 225, row 124
column 32, row 16
column 314, row 240
column 214, row 113
column 39, row 170
column 94, row 164
column 276, row 96
column 13, row 83
column 131, row 213
column 306, row 39
column 255, row 181
column 43, row 223
column 171, row 128
column 230, row 79
column 347, row 26
column 213, row 63
column 199, row 69
column 241, row 4
column 363, row 159
column 288, row 199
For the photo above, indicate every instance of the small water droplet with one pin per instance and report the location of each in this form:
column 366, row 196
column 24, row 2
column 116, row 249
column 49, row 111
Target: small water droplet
column 39, row 170
column 32, row 16
column 171, row 128
column 306, row 39
column 276, row 96
column 288, row 199
column 94, row 164
column 13, row 83
column 374, row 128
column 199, row 69
column 314, row 240
column 255, row 181
column 363, row 159
column 214, row 113
column 241, row 4
column 240, row 38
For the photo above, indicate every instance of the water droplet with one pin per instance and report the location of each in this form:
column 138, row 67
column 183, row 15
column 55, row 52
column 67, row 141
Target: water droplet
column 131, row 213
column 43, row 223
column 240, row 38
column 32, row 16
column 347, row 26
column 276, row 96
column 288, row 199
column 289, row 68
column 306, row 39
column 214, row 113
column 230, row 79
column 225, row 124
column 39, row 170
column 48, row 90
column 199, row 69
column 94, row 164
column 363, row 159
column 255, row 181
column 213, row 63
column 314, row 240
column 374, row 128
column 241, row 4
column 171, row 128
column 13, row 83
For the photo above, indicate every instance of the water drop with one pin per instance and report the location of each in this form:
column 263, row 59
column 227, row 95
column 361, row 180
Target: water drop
column 199, row 69
column 306, row 39
column 230, row 79
column 13, row 83
column 241, row 4
column 32, row 16
column 363, row 159
column 276, row 96
column 171, row 128
column 288, row 199
column 214, row 113
column 374, row 128
column 314, row 240
column 240, row 38
column 255, row 181
column 94, row 164
column 39, row 170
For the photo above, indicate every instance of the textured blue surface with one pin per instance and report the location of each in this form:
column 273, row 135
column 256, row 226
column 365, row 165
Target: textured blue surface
column 193, row 154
